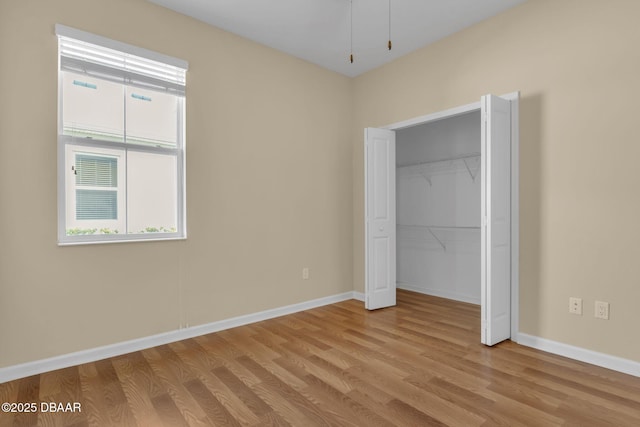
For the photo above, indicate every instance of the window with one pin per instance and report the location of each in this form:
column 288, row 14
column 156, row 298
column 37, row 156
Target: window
column 121, row 141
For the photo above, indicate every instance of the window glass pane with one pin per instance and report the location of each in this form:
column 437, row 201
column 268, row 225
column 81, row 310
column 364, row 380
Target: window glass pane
column 152, row 117
column 96, row 204
column 152, row 193
column 92, row 108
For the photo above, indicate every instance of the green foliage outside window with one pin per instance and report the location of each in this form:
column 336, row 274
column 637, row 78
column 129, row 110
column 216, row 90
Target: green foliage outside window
column 91, row 231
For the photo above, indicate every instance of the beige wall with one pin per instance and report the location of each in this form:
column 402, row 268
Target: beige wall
column 268, row 187
column 577, row 66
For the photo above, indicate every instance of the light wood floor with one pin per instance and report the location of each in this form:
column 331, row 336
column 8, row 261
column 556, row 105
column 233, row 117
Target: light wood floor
column 417, row 364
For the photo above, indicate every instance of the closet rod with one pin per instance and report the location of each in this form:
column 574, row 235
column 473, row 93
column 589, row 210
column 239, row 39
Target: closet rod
column 459, row 157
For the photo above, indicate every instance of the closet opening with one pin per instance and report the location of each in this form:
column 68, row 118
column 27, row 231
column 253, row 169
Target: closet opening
column 438, row 168
column 441, row 210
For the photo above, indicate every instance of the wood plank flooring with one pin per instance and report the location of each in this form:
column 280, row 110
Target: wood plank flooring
column 417, row 364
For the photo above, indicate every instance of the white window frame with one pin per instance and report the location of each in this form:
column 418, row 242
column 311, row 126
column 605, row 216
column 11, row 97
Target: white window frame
column 68, row 144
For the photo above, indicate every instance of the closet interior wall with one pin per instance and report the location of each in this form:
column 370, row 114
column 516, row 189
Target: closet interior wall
column 438, row 207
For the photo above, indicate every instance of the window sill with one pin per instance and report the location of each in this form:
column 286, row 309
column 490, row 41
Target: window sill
column 123, row 240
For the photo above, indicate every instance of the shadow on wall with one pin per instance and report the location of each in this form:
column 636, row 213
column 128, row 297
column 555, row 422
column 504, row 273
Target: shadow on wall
column 530, row 212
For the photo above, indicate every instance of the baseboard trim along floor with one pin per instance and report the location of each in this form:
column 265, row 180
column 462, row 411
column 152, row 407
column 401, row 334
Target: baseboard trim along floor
column 91, row 355
column 603, row 360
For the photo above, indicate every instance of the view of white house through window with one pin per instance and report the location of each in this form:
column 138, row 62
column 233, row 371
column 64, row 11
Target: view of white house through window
column 121, row 142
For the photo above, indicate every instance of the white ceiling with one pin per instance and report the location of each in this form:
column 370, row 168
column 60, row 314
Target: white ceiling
column 319, row 30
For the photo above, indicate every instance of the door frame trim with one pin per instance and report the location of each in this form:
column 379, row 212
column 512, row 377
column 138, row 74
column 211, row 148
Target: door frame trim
column 514, row 98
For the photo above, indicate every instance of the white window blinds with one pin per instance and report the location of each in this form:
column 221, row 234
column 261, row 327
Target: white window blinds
column 107, row 59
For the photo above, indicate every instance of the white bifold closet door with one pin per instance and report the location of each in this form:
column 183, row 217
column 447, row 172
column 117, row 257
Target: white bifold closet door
column 380, row 219
column 380, row 224
column 495, row 292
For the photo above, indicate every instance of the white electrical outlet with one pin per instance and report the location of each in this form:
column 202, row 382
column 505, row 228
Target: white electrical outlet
column 305, row 273
column 602, row 310
column 575, row 305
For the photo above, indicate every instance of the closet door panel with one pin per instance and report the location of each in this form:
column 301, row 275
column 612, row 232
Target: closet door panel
column 380, row 213
column 496, row 212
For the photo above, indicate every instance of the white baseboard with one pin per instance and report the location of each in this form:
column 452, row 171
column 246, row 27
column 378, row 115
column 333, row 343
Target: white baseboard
column 582, row 354
column 91, row 355
column 437, row 293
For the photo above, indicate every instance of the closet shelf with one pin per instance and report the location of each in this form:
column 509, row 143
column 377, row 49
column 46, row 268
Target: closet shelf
column 426, row 169
column 448, row 159
column 433, row 229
